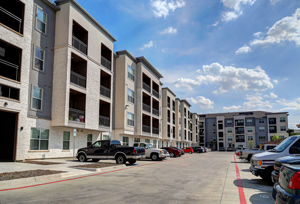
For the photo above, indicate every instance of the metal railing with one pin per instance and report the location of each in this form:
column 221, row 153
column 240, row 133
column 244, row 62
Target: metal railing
column 106, row 63
column 174, row 121
column 9, row 74
column 169, row 105
column 76, row 115
column 78, row 79
column 9, row 92
column 4, row 14
column 169, row 134
column 173, row 107
column 146, row 108
column 240, row 140
column 155, row 93
column 155, row 130
column 155, row 112
column 104, row 121
column 105, row 91
column 169, row 119
column 146, row 87
column 146, row 128
column 79, row 45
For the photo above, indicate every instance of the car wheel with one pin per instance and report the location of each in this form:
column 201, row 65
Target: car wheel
column 82, row 158
column 190, row 152
column 120, row 159
column 172, row 154
column 154, row 157
column 95, row 160
column 249, row 157
column 132, row 161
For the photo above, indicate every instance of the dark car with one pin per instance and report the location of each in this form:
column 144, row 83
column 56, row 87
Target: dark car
column 172, row 151
column 181, row 150
column 106, row 149
column 287, row 189
column 292, row 160
column 222, row 149
column 198, row 149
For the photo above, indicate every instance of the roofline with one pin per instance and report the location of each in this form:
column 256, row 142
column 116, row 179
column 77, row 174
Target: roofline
column 125, row 52
column 169, row 91
column 177, row 99
column 60, row 2
column 51, row 4
column 185, row 101
column 277, row 113
column 146, row 62
column 237, row 112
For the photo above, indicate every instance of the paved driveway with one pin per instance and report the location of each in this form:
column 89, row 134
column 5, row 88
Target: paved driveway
column 197, row 178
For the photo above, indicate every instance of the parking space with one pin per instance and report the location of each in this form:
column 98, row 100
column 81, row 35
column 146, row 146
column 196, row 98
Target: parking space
column 197, row 178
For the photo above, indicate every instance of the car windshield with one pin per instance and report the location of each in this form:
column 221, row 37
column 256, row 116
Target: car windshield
column 150, row 145
column 283, row 145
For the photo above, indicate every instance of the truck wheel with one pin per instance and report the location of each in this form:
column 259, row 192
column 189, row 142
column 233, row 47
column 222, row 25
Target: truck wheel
column 132, row 161
column 82, row 158
column 154, row 157
column 249, row 157
column 95, row 160
column 268, row 176
column 172, row 154
column 120, row 159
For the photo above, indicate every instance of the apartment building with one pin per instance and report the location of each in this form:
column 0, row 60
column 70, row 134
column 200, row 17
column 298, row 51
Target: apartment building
column 138, row 100
column 201, row 125
column 236, row 129
column 186, row 120
column 195, row 129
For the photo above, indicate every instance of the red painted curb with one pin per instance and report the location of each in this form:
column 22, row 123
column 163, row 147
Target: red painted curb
column 239, row 183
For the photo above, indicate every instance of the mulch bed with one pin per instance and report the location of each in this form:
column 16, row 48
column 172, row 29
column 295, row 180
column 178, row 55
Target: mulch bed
column 26, row 174
column 97, row 165
column 41, row 162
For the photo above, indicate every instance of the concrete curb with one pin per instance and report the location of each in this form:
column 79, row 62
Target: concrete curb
column 101, row 169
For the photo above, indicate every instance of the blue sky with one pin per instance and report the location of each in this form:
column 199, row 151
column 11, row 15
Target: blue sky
column 221, row 55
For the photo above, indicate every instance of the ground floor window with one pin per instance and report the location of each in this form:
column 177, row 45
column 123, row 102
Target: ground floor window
column 281, row 136
column 261, row 138
column 250, row 138
column 162, row 143
column 147, row 141
column 66, row 140
column 240, row 145
column 137, row 140
column 125, row 141
column 39, row 139
column 89, row 140
column 154, row 143
column 106, row 137
column 229, row 138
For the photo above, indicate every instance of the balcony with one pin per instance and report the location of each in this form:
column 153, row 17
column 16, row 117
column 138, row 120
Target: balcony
column 155, row 131
column 9, row 92
column 76, row 115
column 240, row 140
column 173, row 107
column 272, row 121
column 11, row 14
column 155, row 93
column 146, row 129
column 146, row 108
column 169, row 119
column 169, row 105
column 239, row 131
column 104, row 121
column 9, row 70
column 106, row 63
column 146, row 87
column 155, row 112
column 174, row 121
column 78, row 79
column 272, row 129
column 79, row 45
column 169, row 134
column 105, row 91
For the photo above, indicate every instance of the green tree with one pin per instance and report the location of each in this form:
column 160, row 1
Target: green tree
column 211, row 143
column 275, row 137
column 251, row 144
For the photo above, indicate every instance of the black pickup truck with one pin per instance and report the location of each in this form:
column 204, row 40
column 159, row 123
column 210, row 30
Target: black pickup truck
column 110, row 149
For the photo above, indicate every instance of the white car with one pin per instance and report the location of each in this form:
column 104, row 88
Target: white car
column 247, row 154
column 152, row 152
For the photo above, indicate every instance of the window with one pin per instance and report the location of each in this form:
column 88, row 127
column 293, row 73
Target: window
column 240, row 138
column 66, row 140
column 214, row 123
column 261, row 129
column 250, row 138
column 89, row 140
column 214, row 130
column 130, row 119
column 229, row 122
column 282, row 128
column 249, row 121
column 272, row 129
column 39, row 139
column 229, row 138
column 39, row 59
column 229, row 130
column 37, row 95
column 41, row 20
column 261, row 138
column 131, row 73
column 281, row 136
column 106, row 137
column 9, row 92
column 272, row 120
column 130, row 96
column 261, row 120
column 179, row 108
column 125, row 141
column 249, row 129
column 147, row 140
column 295, row 148
column 282, row 119
column 137, row 140
column 239, row 122
column 154, row 143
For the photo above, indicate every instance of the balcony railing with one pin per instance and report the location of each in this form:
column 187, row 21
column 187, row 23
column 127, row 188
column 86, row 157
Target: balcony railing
column 78, row 79
column 155, row 112
column 155, row 131
column 10, row 20
column 106, row 63
column 169, row 105
column 174, row 121
column 146, row 128
column 239, row 124
column 79, row 45
column 272, row 131
column 173, row 107
column 239, row 132
column 104, row 121
column 240, row 140
column 146, row 108
column 105, row 91
column 169, row 119
column 169, row 134
column 76, row 115
column 155, row 93
column 5, row 65
column 146, row 87
column 271, row 122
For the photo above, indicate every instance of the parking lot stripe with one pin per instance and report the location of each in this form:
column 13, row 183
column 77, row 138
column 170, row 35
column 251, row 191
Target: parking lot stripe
column 239, row 183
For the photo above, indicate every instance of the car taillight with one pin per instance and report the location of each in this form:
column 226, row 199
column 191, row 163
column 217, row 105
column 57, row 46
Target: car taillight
column 133, row 151
column 295, row 181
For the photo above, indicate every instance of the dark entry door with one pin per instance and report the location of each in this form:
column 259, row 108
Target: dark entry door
column 7, row 135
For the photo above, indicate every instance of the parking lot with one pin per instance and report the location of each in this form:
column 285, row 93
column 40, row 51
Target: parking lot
column 198, row 178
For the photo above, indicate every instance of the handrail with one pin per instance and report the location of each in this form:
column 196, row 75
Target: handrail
column 155, row 93
column 104, row 121
column 10, row 65
column 146, row 87
column 12, row 16
column 79, row 45
column 146, row 108
column 76, row 115
column 146, row 128
column 78, row 79
column 106, row 63
column 104, row 91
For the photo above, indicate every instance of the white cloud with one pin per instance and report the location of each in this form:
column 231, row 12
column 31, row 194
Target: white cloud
column 203, row 102
column 163, row 7
column 274, row 1
column 275, row 81
column 286, row 29
column 232, row 108
column 231, row 15
column 215, row 24
column 235, row 6
column 244, row 49
column 190, row 84
column 169, row 30
column 257, row 34
column 289, row 105
column 272, row 96
column 150, row 44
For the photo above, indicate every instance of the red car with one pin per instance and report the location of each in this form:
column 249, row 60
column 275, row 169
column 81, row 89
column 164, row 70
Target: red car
column 188, row 150
column 172, row 151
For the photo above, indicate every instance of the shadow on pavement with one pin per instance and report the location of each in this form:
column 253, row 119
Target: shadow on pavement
column 245, row 170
